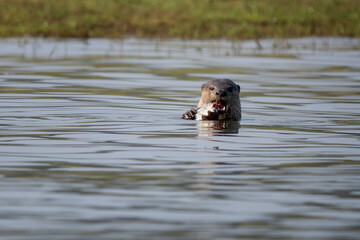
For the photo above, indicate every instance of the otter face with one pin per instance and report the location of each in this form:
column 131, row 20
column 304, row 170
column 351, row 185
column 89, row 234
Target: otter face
column 222, row 92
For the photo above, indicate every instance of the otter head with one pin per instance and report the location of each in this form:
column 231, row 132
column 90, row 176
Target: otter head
column 223, row 92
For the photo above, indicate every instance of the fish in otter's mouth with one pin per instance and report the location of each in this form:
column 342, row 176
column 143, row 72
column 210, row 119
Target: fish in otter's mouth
column 211, row 111
column 220, row 106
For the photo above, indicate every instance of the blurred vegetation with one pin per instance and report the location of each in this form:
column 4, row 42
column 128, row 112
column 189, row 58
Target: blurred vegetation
column 192, row 19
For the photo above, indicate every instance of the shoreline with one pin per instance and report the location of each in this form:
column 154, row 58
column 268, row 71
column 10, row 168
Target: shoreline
column 184, row 19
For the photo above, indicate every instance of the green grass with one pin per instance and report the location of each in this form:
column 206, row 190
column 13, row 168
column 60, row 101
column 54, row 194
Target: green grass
column 190, row 19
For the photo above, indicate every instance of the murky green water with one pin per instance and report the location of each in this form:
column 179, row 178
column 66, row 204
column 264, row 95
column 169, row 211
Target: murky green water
column 92, row 145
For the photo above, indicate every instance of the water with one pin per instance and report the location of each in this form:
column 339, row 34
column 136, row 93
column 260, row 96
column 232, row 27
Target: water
column 92, row 145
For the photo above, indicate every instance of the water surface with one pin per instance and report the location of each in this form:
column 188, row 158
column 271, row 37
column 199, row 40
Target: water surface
column 92, row 145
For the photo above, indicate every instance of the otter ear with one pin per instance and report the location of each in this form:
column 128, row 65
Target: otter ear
column 238, row 87
column 202, row 86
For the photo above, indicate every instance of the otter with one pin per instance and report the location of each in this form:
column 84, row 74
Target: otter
column 224, row 94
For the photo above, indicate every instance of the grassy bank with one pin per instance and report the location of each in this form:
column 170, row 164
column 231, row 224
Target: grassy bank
column 231, row 19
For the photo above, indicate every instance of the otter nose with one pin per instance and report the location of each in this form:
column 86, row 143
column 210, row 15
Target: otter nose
column 221, row 93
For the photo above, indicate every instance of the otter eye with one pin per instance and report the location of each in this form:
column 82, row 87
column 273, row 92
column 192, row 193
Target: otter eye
column 211, row 88
column 230, row 89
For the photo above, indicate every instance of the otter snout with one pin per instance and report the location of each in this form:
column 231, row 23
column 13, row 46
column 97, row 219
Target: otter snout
column 221, row 93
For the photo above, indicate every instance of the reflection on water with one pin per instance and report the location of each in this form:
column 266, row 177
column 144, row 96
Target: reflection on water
column 92, row 145
column 211, row 128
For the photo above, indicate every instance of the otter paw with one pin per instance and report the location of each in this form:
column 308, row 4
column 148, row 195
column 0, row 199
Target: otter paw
column 189, row 114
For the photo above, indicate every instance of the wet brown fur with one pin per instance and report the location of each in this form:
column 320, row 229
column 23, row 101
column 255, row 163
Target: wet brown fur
column 220, row 89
